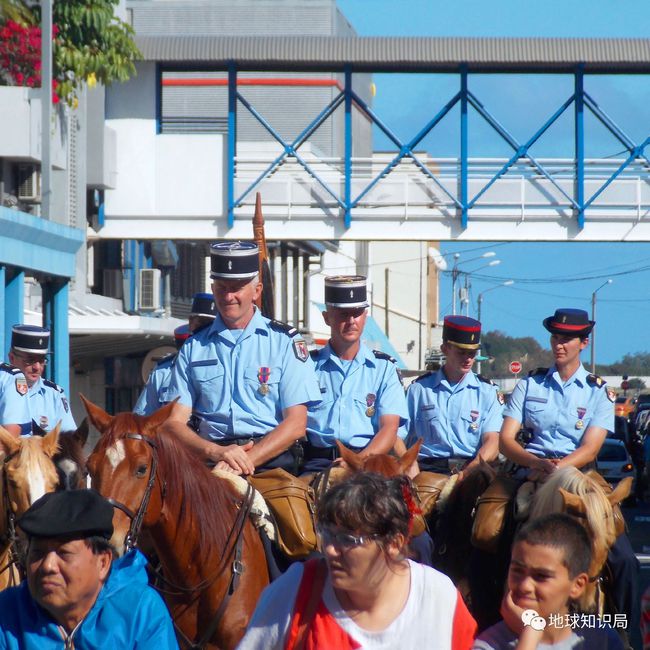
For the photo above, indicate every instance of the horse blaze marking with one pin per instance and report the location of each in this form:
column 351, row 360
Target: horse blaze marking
column 116, row 454
column 36, row 482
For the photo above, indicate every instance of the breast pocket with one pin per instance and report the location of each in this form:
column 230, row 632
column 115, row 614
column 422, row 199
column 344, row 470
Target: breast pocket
column 535, row 413
column 427, row 424
column 207, row 380
column 263, row 385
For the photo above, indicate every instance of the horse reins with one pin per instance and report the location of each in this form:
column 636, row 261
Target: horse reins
column 234, row 545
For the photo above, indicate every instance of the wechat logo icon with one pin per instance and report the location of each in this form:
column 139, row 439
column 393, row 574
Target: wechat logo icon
column 531, row 618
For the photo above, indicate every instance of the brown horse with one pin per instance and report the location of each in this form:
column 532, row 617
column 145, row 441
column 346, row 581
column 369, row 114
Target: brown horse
column 70, row 460
column 207, row 546
column 27, row 473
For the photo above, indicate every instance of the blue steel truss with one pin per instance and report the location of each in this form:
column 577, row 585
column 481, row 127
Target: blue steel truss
column 580, row 100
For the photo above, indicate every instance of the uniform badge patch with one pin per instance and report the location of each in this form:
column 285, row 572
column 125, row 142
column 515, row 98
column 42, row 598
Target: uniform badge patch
column 21, row 385
column 501, row 398
column 611, row 394
column 66, row 406
column 300, row 349
column 370, row 403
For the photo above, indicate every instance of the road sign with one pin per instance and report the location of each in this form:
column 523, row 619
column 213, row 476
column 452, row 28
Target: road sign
column 515, row 367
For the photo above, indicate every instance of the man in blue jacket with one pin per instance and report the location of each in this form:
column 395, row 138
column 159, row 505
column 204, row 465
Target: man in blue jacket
column 76, row 596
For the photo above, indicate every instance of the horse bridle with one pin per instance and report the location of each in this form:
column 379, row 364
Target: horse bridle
column 137, row 517
column 10, row 537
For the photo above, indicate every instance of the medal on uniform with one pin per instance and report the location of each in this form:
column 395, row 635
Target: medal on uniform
column 42, row 422
column 263, row 375
column 370, row 403
column 581, row 413
column 474, row 416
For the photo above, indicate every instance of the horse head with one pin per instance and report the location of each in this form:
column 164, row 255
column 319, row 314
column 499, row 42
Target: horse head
column 383, row 464
column 28, row 469
column 584, row 497
column 70, row 460
column 123, row 468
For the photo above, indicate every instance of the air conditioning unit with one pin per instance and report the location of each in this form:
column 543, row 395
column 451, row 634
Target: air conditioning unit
column 149, row 290
column 28, row 182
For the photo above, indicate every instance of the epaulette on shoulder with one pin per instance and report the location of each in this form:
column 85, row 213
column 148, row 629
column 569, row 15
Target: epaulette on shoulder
column 424, row 376
column 538, row 371
column 12, row 370
column 285, row 328
column 595, row 380
column 167, row 358
column 382, row 355
column 51, row 384
column 315, row 353
column 485, row 380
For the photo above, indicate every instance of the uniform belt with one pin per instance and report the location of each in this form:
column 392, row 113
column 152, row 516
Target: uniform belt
column 240, row 440
column 327, row 453
column 443, row 464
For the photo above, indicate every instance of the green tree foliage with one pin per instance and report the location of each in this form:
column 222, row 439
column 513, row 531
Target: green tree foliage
column 503, row 349
column 91, row 45
column 630, row 364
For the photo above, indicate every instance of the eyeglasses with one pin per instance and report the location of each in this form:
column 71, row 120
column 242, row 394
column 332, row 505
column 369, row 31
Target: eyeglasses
column 32, row 361
column 339, row 539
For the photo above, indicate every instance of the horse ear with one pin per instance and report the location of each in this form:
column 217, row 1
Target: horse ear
column 349, row 456
column 81, row 434
column 621, row 491
column 8, row 443
column 161, row 415
column 573, row 504
column 409, row 456
column 98, row 416
column 51, row 441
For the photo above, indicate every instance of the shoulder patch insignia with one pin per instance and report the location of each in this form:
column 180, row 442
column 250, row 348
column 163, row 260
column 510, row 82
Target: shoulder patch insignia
column 300, row 350
column 611, row 395
column 66, row 406
column 595, row 380
column 21, row 386
column 501, row 398
column 426, row 374
column 285, row 328
column 538, row 371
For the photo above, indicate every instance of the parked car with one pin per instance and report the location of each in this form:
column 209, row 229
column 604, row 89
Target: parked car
column 642, row 402
column 624, row 406
column 614, row 461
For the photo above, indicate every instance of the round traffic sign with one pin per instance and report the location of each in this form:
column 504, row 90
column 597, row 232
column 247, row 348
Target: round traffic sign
column 515, row 367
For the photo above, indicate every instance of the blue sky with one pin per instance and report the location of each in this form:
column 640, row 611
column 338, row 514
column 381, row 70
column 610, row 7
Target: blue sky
column 547, row 275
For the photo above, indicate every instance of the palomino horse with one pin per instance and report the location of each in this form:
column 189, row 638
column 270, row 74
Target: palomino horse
column 27, row 474
column 214, row 567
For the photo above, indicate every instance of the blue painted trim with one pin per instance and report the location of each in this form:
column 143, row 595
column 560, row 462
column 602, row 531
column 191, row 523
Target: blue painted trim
column 464, row 145
column 232, row 140
column 348, row 147
column 14, row 309
column 33, row 243
column 158, row 98
column 579, row 113
column 55, row 317
column 101, row 214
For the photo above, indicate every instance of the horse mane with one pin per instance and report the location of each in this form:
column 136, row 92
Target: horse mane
column 31, row 453
column 599, row 514
column 203, row 497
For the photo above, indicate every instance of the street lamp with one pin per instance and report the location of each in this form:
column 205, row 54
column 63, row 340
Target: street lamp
column 593, row 332
column 455, row 272
column 507, row 283
column 468, row 284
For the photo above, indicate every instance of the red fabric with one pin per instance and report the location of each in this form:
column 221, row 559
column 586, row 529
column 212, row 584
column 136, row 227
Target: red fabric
column 324, row 631
column 463, row 628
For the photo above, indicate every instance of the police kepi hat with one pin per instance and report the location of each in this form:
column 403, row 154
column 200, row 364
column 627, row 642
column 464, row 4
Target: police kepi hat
column 69, row 513
column 182, row 333
column 571, row 322
column 30, row 338
column 203, row 305
column 234, row 260
column 346, row 291
column 462, row 331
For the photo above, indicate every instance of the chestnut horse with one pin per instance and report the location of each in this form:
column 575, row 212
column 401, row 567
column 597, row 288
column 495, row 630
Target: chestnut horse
column 27, row 474
column 213, row 563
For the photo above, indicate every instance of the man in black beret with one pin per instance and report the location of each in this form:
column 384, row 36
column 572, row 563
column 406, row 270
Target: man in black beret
column 75, row 592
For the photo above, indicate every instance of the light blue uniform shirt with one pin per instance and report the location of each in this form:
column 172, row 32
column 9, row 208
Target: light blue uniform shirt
column 154, row 393
column 451, row 419
column 239, row 386
column 355, row 396
column 14, row 407
column 557, row 413
column 47, row 405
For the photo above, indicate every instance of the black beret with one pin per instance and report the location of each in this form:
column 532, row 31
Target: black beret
column 69, row 513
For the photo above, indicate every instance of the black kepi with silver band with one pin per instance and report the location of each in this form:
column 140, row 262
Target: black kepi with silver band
column 346, row 291
column 30, row 339
column 234, row 260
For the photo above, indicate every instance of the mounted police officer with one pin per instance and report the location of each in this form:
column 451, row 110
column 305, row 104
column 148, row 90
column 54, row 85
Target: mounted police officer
column 456, row 412
column 247, row 379
column 14, row 407
column 46, row 400
column 362, row 397
column 154, row 393
column 566, row 413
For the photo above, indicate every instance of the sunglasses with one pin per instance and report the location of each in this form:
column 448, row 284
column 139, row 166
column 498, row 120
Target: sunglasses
column 341, row 540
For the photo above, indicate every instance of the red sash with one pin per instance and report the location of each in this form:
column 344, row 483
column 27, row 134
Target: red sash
column 312, row 626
